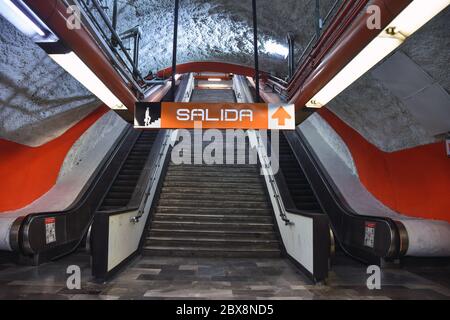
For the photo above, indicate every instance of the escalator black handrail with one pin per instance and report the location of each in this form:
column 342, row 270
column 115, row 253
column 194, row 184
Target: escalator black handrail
column 100, row 237
column 285, row 195
column 138, row 199
column 112, row 212
column 320, row 222
column 156, row 158
column 344, row 210
column 21, row 237
column 287, row 199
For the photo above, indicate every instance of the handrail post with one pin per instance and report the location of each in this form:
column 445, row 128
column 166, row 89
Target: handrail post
column 291, row 64
column 114, row 23
column 318, row 20
column 255, row 48
column 174, row 49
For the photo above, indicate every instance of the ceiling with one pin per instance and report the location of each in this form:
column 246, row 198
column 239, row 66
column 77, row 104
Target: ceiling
column 219, row 30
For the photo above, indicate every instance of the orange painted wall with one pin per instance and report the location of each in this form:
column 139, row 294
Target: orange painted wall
column 414, row 182
column 27, row 173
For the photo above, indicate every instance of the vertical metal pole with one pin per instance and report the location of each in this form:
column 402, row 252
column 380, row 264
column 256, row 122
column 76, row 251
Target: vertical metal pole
column 318, row 20
column 291, row 63
column 174, row 49
column 255, row 47
column 137, row 39
column 114, row 22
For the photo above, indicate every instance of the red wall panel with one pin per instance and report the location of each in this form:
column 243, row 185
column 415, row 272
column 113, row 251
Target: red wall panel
column 414, row 182
column 27, row 173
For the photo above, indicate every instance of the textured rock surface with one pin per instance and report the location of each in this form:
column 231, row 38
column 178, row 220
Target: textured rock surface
column 218, row 29
column 41, row 96
column 92, row 146
column 371, row 109
column 38, row 99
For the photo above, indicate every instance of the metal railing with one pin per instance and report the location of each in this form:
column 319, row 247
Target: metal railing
column 312, row 253
column 95, row 17
column 279, row 85
column 158, row 164
column 315, row 37
column 266, row 165
column 107, row 255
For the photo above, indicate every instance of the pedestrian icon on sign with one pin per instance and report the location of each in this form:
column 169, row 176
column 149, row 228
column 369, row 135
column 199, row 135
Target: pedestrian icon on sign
column 147, row 115
column 147, row 119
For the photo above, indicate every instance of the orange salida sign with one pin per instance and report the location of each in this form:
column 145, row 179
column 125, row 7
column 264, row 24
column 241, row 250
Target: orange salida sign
column 189, row 115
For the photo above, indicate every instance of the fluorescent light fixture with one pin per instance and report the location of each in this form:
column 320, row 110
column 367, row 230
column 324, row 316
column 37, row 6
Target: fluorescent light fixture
column 80, row 71
column 272, row 47
column 24, row 19
column 214, row 79
column 412, row 18
column 213, row 86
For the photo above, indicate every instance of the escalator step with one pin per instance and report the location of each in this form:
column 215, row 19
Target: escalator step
column 125, row 183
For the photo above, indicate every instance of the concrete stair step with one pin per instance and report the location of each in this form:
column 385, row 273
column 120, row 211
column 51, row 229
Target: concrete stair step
column 211, row 174
column 213, row 204
column 226, row 226
column 211, row 242
column 190, row 195
column 212, row 218
column 210, row 252
column 213, row 210
column 220, row 179
column 216, row 191
column 216, row 234
column 214, row 184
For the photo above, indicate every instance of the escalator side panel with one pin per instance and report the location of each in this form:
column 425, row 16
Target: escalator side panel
column 71, row 225
column 351, row 230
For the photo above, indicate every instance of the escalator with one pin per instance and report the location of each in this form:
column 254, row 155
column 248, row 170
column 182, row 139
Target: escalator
column 124, row 185
column 299, row 188
column 124, row 165
column 311, row 189
column 214, row 207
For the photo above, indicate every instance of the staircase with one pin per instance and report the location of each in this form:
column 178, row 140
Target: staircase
column 213, row 211
column 119, row 195
column 297, row 183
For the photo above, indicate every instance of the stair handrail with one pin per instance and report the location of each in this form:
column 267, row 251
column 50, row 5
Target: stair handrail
column 317, row 237
column 266, row 166
column 158, row 164
column 114, row 249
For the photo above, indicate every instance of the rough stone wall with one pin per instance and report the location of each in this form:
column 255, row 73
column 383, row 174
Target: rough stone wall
column 38, row 99
column 220, row 30
column 370, row 108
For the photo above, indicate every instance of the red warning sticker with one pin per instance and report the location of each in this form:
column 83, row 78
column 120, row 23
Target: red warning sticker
column 369, row 234
column 50, row 230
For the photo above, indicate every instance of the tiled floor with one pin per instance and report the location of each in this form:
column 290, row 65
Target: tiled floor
column 202, row 278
